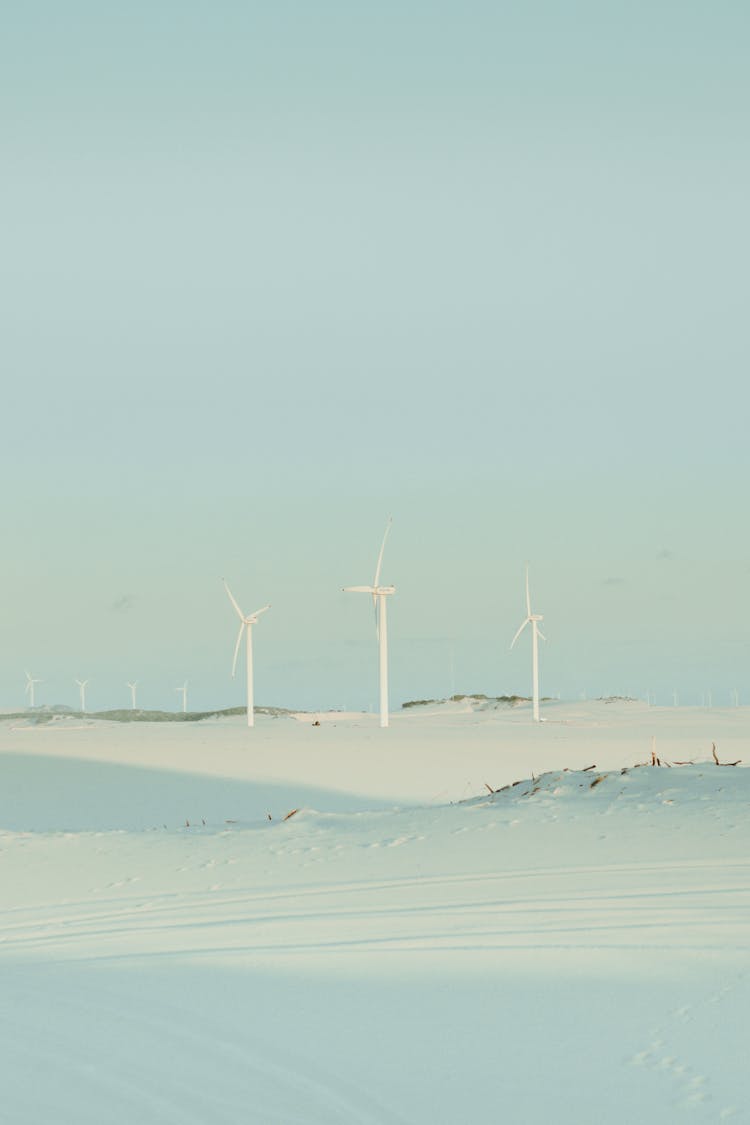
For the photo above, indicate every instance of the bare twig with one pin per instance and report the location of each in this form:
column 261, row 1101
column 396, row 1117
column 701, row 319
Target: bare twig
column 716, row 758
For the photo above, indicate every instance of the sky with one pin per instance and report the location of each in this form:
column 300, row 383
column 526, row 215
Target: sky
column 272, row 273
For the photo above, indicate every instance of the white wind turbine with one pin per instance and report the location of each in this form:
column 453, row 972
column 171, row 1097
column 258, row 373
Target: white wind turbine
column 82, row 689
column 183, row 689
column 532, row 619
column 132, row 687
column 29, row 689
column 379, row 595
column 246, row 623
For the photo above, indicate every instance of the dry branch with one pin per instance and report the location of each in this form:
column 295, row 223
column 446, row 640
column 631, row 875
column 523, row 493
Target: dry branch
column 716, row 758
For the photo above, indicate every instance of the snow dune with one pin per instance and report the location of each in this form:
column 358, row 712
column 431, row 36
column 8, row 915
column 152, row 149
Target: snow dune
column 408, row 947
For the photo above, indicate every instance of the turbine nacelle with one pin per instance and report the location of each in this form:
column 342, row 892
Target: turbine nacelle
column 374, row 590
column 253, row 618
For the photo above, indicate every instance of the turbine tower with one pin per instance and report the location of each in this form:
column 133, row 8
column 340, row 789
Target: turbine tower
column 246, row 623
column 532, row 619
column 183, row 689
column 379, row 595
column 82, row 689
column 29, row 689
column 132, row 687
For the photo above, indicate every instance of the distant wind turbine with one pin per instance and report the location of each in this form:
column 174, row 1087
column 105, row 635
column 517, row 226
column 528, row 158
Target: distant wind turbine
column 82, row 689
column 532, row 619
column 183, row 689
column 29, row 689
column 379, row 595
column 132, row 687
column 246, row 623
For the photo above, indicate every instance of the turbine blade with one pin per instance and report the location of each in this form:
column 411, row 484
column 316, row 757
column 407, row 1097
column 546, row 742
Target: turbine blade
column 232, row 598
column 520, row 630
column 382, row 548
column 528, row 596
column 359, row 590
column 539, row 633
column 259, row 611
column 243, row 626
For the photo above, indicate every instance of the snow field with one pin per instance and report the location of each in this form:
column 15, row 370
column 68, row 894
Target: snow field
column 571, row 949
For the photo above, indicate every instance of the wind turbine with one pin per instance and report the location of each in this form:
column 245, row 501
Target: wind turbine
column 246, row 623
column 132, row 687
column 532, row 619
column 29, row 689
column 379, row 595
column 82, row 688
column 183, row 689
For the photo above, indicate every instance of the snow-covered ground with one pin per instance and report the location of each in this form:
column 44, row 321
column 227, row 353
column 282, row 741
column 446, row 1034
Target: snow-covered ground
column 408, row 947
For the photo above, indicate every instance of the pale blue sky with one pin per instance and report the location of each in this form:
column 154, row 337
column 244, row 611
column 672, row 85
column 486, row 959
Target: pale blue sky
column 271, row 272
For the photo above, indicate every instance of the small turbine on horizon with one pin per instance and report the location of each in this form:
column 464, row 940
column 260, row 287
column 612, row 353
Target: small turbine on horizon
column 29, row 689
column 379, row 595
column 532, row 619
column 246, row 623
column 132, row 687
column 183, row 689
column 82, row 690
